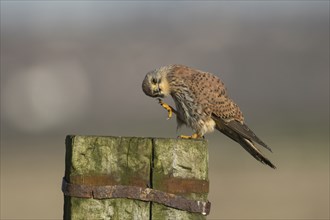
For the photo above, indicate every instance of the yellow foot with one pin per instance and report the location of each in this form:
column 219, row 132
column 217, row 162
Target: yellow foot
column 167, row 107
column 194, row 136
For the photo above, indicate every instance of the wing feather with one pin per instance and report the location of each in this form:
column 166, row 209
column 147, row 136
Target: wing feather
column 246, row 132
column 241, row 138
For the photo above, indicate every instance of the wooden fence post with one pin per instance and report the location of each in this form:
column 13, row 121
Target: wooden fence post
column 181, row 168
column 172, row 166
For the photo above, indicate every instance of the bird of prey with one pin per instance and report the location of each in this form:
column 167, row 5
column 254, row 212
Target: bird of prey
column 202, row 103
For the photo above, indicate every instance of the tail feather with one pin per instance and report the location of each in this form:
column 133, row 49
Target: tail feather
column 255, row 152
column 246, row 132
column 245, row 142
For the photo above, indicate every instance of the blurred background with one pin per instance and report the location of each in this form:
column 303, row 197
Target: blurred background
column 77, row 67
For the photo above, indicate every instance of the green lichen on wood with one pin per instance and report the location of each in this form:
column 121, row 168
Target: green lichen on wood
column 179, row 159
column 121, row 160
column 161, row 212
column 109, row 209
column 127, row 161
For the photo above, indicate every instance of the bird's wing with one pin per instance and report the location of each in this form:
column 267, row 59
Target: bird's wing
column 230, row 114
column 212, row 95
column 236, row 133
column 229, row 120
column 246, row 132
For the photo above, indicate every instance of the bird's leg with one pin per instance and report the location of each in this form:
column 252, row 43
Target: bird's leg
column 193, row 136
column 169, row 109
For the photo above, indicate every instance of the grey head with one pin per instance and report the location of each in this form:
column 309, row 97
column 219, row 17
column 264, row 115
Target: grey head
column 155, row 84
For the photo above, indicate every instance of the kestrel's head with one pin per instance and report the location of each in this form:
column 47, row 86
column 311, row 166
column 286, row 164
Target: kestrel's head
column 155, row 84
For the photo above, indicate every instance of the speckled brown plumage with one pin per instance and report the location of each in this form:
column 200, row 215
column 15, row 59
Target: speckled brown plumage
column 202, row 103
column 207, row 90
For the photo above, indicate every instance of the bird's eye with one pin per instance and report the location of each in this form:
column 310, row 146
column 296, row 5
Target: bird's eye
column 154, row 81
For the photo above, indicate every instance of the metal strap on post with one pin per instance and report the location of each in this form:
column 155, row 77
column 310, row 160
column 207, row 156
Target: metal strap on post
column 138, row 193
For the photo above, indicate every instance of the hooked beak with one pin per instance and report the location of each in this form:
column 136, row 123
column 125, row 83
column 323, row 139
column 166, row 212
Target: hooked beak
column 157, row 92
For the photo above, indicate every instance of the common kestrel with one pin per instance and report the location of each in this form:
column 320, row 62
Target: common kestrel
column 202, row 103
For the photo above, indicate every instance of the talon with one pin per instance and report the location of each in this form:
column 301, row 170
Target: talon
column 184, row 137
column 194, row 136
column 167, row 107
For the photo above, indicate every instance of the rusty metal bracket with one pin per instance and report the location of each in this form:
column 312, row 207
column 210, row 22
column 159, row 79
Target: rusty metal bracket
column 138, row 193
